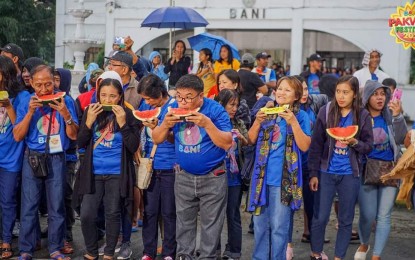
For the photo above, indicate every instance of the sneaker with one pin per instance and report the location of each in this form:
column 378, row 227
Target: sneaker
column 290, row 253
column 146, row 257
column 361, row 255
column 117, row 248
column 125, row 251
column 16, row 229
column 227, row 253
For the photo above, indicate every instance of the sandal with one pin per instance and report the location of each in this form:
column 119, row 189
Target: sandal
column 6, row 251
column 90, row 257
column 59, row 256
column 67, row 248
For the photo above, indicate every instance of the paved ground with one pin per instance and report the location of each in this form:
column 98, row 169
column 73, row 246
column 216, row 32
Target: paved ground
column 400, row 245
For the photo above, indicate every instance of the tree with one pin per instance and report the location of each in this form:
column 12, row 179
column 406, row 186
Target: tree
column 31, row 25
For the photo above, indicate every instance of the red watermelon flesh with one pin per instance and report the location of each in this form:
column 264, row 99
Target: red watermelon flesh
column 182, row 112
column 343, row 133
column 147, row 115
column 46, row 99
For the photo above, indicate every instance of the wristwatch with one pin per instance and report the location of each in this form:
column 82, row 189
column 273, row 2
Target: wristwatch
column 69, row 121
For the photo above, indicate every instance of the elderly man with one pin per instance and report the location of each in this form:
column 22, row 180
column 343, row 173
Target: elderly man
column 370, row 70
column 47, row 131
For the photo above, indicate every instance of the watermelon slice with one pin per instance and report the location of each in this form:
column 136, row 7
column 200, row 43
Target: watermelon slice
column 274, row 110
column 4, row 95
column 147, row 115
column 107, row 107
column 46, row 99
column 182, row 112
column 343, row 133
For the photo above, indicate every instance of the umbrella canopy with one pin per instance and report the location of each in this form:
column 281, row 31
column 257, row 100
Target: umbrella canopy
column 174, row 17
column 212, row 42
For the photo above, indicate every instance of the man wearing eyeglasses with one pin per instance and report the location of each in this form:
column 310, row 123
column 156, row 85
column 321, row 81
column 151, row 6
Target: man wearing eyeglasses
column 201, row 142
column 122, row 63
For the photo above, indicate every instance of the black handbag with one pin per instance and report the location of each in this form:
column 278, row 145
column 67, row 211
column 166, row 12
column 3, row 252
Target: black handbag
column 39, row 161
column 248, row 166
column 374, row 169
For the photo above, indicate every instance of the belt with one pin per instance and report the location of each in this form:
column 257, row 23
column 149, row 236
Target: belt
column 163, row 171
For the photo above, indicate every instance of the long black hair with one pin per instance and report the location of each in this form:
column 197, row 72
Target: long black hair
column 226, row 96
column 106, row 117
column 230, row 55
column 208, row 53
column 335, row 111
column 9, row 80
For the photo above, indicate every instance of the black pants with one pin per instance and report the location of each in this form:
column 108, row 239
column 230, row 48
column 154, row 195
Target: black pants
column 70, row 215
column 159, row 200
column 107, row 189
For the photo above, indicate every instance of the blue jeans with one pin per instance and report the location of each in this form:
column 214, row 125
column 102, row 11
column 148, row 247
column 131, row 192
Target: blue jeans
column 271, row 227
column 204, row 193
column 9, row 182
column 233, row 217
column 347, row 187
column 31, row 193
column 159, row 200
column 376, row 203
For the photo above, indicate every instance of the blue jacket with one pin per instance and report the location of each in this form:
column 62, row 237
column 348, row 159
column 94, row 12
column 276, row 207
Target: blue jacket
column 159, row 71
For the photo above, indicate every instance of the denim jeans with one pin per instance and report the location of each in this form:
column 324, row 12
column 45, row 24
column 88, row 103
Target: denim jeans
column 70, row 214
column 376, row 203
column 347, row 187
column 8, row 187
column 31, row 193
column 159, row 200
column 107, row 189
column 204, row 193
column 233, row 217
column 271, row 227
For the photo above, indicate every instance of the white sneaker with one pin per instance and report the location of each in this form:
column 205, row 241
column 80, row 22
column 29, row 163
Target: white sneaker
column 361, row 255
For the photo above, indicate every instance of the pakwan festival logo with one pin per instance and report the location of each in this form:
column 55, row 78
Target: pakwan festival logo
column 402, row 24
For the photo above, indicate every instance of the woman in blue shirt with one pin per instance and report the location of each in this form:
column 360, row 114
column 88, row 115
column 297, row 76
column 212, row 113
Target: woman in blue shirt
column 107, row 174
column 376, row 201
column 229, row 99
column 11, row 152
column 159, row 196
column 335, row 165
column 276, row 181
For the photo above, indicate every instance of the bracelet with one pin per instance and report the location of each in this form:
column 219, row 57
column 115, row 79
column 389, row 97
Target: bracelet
column 69, row 121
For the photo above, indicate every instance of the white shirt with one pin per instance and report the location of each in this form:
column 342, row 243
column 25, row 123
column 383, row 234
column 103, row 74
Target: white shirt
column 364, row 75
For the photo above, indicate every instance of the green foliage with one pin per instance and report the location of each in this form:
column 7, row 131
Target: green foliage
column 68, row 66
column 31, row 25
column 100, row 56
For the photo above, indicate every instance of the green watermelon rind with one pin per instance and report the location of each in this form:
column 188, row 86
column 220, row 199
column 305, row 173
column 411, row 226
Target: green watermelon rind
column 106, row 107
column 140, row 114
column 182, row 116
column 334, row 132
column 57, row 96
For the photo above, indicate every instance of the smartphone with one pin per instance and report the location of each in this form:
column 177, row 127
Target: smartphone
column 397, row 94
column 120, row 41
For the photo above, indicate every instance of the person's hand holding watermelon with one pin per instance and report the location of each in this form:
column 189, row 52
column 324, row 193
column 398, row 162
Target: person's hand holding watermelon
column 34, row 103
column 199, row 119
column 60, row 106
column 5, row 103
column 93, row 111
column 119, row 115
column 151, row 124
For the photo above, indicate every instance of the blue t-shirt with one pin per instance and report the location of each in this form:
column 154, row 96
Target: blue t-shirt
column 195, row 151
column 374, row 77
column 234, row 179
column 312, row 117
column 413, row 126
column 107, row 155
column 276, row 156
column 340, row 161
column 11, row 152
column 38, row 127
column 312, row 84
column 382, row 150
column 165, row 156
column 272, row 75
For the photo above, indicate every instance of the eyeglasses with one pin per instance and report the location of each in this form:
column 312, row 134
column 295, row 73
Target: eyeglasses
column 186, row 99
column 116, row 65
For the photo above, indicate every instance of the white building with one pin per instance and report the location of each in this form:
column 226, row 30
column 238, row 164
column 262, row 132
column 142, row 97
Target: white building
column 290, row 30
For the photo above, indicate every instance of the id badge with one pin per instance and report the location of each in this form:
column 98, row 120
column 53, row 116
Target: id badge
column 55, row 144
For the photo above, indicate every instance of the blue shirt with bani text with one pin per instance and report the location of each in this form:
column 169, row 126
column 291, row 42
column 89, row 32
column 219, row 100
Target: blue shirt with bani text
column 312, row 83
column 38, row 127
column 382, row 150
column 107, row 155
column 165, row 156
column 11, row 152
column 276, row 158
column 195, row 151
column 340, row 161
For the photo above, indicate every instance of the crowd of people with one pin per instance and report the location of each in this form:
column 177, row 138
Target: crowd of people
column 63, row 156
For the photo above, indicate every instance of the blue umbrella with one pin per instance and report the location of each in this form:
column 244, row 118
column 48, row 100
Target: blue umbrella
column 212, row 42
column 174, row 17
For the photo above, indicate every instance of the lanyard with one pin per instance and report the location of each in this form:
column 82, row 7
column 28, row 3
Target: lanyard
column 48, row 118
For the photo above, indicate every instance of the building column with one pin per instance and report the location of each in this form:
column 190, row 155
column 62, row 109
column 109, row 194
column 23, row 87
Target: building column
column 59, row 34
column 197, row 31
column 109, row 25
column 297, row 33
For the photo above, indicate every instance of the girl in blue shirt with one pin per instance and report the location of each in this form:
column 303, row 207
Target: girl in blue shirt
column 276, row 181
column 229, row 99
column 11, row 152
column 107, row 173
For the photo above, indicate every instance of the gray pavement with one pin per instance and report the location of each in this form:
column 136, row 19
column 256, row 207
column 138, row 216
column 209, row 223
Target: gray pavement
column 401, row 243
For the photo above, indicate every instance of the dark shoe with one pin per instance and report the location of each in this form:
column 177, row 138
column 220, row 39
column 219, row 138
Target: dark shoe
column 306, row 239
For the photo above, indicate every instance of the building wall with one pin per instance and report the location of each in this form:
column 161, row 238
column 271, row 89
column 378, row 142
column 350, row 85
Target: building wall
column 299, row 23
